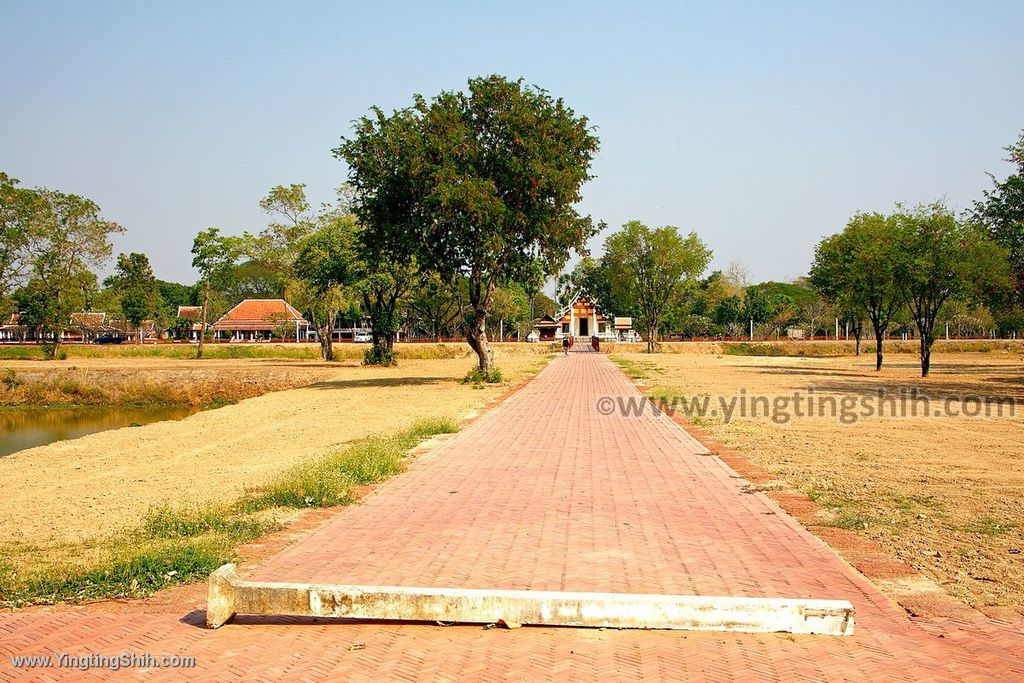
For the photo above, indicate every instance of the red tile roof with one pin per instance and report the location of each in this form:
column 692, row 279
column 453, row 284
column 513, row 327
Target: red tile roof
column 90, row 320
column 190, row 312
column 259, row 314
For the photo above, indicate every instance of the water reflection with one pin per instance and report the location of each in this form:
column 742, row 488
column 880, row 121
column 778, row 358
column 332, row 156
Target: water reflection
column 22, row 428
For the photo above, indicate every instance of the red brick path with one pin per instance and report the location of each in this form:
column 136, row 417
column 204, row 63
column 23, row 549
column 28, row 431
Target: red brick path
column 546, row 493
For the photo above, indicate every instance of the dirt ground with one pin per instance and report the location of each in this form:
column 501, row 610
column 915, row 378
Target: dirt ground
column 944, row 493
column 76, row 491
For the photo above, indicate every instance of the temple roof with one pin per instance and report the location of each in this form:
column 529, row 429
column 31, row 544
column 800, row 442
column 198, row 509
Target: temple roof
column 259, row 314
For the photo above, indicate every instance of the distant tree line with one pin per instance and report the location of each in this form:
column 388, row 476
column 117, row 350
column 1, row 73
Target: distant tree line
column 459, row 209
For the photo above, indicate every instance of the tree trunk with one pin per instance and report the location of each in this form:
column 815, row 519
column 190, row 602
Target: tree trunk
column 926, row 354
column 858, row 331
column 381, row 307
column 326, row 337
column 50, row 347
column 202, row 327
column 476, row 335
column 651, row 332
column 879, row 331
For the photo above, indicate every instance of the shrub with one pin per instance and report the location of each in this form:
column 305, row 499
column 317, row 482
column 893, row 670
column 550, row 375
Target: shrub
column 11, row 381
column 308, row 486
column 477, row 377
column 379, row 356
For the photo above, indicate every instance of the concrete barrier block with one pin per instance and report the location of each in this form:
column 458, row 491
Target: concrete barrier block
column 229, row 595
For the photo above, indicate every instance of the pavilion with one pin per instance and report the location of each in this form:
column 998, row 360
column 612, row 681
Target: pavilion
column 261, row 320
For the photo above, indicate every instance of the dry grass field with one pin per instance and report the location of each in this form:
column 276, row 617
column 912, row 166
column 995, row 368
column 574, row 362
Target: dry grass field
column 943, row 493
column 61, row 500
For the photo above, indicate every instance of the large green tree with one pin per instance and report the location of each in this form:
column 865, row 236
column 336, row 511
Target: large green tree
column 137, row 287
column 277, row 246
column 857, row 269
column 511, row 309
column 944, row 259
column 326, row 268
column 480, row 184
column 649, row 268
column 67, row 240
column 769, row 304
column 214, row 256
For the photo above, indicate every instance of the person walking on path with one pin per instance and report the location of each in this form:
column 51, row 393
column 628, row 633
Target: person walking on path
column 565, row 346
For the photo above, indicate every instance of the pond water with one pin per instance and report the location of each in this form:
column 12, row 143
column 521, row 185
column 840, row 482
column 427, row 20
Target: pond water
column 22, row 428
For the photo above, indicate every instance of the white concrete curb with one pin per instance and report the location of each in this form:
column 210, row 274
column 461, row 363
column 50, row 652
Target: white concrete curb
column 230, row 595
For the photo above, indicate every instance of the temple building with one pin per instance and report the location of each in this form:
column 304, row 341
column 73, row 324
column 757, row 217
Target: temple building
column 194, row 314
column 262, row 320
column 580, row 318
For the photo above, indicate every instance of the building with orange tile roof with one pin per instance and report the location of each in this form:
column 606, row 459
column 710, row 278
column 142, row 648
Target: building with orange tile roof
column 260, row 320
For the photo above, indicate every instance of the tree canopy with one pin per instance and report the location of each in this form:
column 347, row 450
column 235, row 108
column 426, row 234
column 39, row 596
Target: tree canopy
column 480, row 184
column 649, row 268
column 66, row 241
column 213, row 255
column 326, row 266
column 858, row 270
column 943, row 259
column 139, row 294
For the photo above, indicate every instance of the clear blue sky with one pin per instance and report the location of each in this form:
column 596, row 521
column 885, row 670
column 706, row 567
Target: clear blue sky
column 762, row 126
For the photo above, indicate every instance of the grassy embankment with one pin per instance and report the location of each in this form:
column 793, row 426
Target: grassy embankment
column 67, row 385
column 180, row 545
column 74, row 387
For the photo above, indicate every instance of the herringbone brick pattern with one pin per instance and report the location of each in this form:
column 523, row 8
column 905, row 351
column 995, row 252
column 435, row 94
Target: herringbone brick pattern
column 546, row 493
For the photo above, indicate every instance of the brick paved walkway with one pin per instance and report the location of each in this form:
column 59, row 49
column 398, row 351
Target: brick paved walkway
column 545, row 493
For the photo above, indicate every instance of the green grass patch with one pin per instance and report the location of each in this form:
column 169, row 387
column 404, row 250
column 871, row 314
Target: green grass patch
column 300, row 351
column 170, row 547
column 990, row 526
column 853, row 521
column 181, row 545
column 827, row 500
column 636, row 369
column 170, row 523
column 332, row 480
column 753, row 350
column 911, row 504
